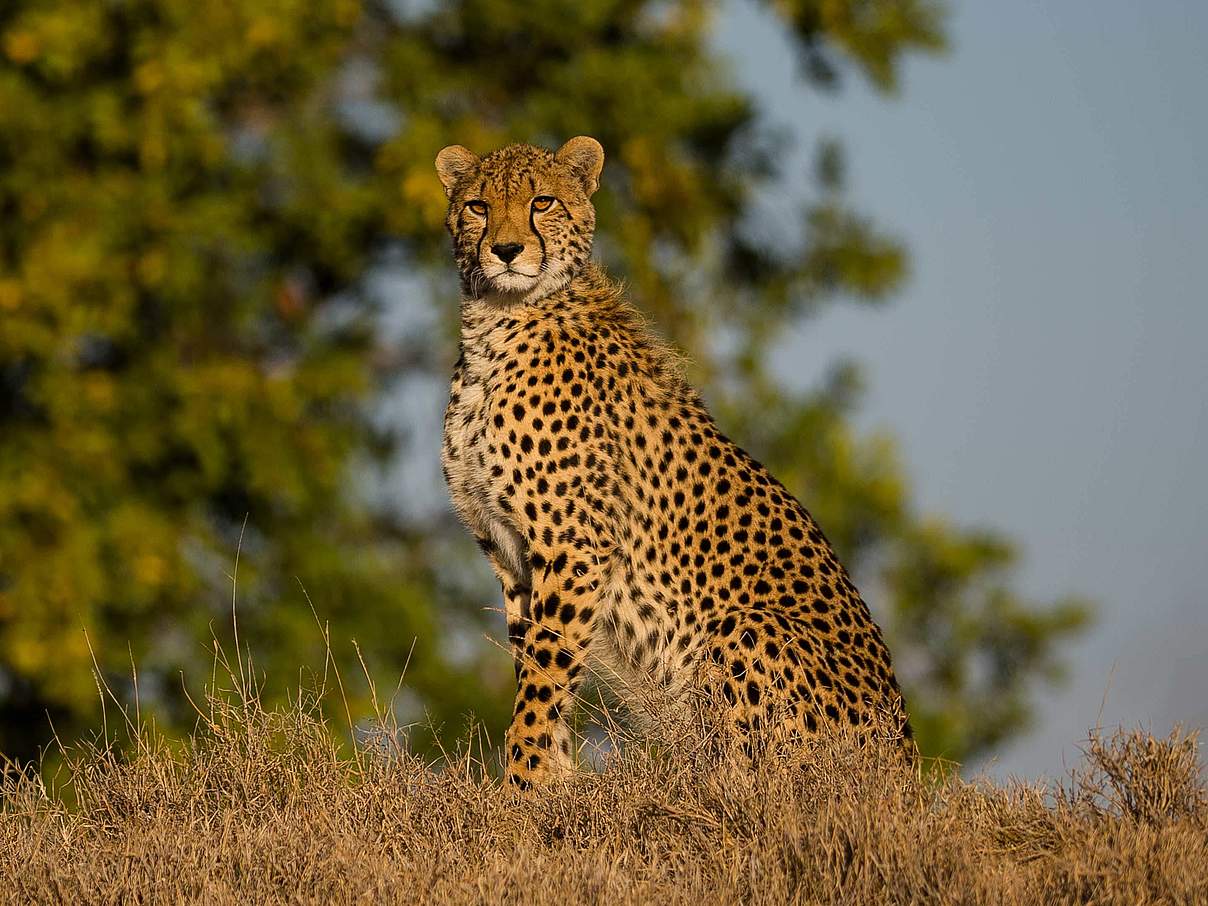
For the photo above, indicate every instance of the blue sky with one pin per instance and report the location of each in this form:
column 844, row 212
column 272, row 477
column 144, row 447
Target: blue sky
column 1046, row 368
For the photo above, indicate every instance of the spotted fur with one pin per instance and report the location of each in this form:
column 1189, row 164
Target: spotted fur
column 630, row 535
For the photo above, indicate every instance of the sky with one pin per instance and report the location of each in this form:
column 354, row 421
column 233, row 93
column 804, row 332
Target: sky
column 1046, row 368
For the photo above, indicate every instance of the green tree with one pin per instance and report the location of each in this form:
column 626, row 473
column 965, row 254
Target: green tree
column 197, row 199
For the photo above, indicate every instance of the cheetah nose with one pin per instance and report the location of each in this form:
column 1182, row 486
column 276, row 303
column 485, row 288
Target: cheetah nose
column 506, row 251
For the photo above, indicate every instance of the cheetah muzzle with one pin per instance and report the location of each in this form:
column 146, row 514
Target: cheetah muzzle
column 629, row 534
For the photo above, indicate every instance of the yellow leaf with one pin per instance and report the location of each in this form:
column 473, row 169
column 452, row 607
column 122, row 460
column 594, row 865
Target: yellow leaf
column 21, row 46
column 150, row 569
column 10, row 294
column 149, row 76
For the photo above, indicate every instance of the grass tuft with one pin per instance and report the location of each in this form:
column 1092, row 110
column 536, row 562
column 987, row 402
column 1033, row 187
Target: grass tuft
column 262, row 805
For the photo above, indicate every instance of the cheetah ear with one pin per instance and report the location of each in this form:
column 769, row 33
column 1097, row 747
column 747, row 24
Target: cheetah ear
column 585, row 156
column 452, row 163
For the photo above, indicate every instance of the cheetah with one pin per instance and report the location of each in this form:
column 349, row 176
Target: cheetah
column 629, row 534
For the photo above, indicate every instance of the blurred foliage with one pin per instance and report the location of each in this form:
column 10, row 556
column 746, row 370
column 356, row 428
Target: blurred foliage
column 194, row 200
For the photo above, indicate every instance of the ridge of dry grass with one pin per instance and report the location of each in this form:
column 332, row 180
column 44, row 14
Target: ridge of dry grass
column 260, row 805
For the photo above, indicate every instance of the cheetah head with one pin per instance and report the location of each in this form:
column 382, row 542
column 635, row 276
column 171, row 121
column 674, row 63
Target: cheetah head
column 521, row 217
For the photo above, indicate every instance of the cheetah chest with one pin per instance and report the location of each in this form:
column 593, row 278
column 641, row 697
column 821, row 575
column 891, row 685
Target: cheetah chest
column 472, row 488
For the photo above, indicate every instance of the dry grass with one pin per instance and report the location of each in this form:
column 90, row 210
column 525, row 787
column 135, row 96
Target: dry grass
column 261, row 806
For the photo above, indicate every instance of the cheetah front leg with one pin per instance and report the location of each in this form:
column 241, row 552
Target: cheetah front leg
column 517, row 600
column 553, row 648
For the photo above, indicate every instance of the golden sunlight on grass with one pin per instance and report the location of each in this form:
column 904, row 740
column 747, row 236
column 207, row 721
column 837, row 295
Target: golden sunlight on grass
column 260, row 805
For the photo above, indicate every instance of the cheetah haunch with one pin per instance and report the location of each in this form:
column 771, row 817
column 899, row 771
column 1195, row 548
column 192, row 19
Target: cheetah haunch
column 630, row 535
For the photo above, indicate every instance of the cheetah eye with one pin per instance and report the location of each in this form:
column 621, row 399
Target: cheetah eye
column 478, row 207
column 543, row 202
